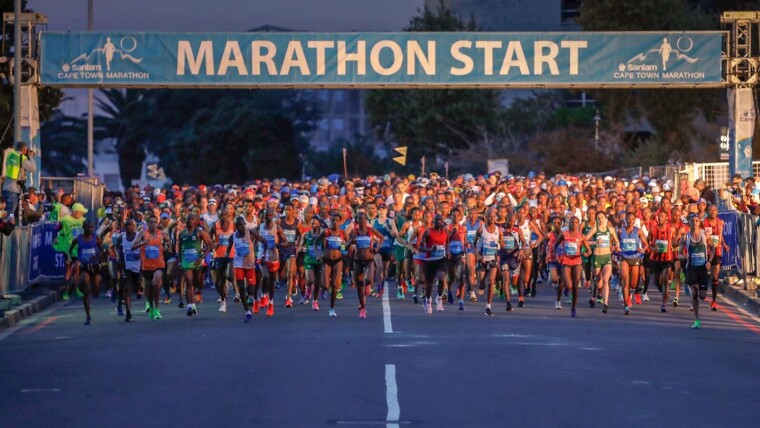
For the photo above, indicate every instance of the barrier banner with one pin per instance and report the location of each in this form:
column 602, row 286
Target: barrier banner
column 731, row 258
column 741, row 119
column 44, row 262
column 411, row 59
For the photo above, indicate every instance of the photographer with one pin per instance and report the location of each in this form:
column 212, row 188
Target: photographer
column 16, row 163
column 32, row 206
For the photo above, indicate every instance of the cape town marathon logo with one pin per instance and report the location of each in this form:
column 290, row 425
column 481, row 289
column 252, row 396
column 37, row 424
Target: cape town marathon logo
column 90, row 65
column 653, row 64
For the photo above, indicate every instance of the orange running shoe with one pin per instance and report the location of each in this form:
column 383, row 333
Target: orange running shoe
column 288, row 303
column 713, row 306
column 198, row 297
column 638, row 299
column 367, row 290
column 265, row 300
column 255, row 306
column 270, row 310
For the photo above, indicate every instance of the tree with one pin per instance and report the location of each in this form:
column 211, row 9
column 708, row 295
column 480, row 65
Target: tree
column 123, row 120
column 49, row 98
column 433, row 122
column 360, row 155
column 669, row 111
column 64, row 153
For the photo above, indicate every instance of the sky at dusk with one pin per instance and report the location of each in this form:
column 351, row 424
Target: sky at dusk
column 221, row 16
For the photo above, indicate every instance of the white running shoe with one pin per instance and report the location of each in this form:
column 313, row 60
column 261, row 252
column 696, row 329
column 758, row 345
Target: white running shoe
column 429, row 308
column 438, row 304
column 558, row 305
column 223, row 306
column 644, row 297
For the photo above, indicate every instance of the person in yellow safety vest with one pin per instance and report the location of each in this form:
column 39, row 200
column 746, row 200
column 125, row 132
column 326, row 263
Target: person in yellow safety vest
column 16, row 163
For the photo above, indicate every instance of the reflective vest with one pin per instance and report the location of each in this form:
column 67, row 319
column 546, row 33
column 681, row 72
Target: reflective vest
column 56, row 212
column 13, row 164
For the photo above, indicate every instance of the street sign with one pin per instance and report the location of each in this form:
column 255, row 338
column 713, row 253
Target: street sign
column 400, row 159
column 723, row 142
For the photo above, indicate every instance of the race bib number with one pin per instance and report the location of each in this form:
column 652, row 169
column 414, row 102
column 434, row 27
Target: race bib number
column 190, row 255
column 88, row 255
column 334, row 242
column 290, row 235
column 490, row 248
column 224, row 240
column 132, row 256
column 629, row 245
column 661, row 246
column 270, row 241
column 456, row 247
column 76, row 232
column 510, row 243
column 363, row 242
column 471, row 236
column 439, row 252
column 715, row 240
column 152, row 252
column 571, row 249
column 242, row 249
column 697, row 259
column 603, row 241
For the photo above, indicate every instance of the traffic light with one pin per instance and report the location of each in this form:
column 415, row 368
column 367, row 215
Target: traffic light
column 400, row 159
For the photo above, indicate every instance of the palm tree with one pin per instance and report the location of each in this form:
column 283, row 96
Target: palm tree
column 64, row 153
column 122, row 118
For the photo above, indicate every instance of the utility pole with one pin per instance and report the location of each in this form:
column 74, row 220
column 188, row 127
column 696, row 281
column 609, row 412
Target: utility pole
column 17, row 71
column 597, row 119
column 90, row 106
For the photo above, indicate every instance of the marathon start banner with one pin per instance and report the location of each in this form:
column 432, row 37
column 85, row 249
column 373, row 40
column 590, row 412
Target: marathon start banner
column 454, row 59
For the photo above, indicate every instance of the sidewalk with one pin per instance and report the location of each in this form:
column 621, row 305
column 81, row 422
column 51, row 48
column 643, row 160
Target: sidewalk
column 744, row 295
column 16, row 307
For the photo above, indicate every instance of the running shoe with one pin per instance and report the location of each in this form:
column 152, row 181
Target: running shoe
column 270, row 309
column 189, row 310
column 429, row 306
column 628, row 310
column 414, row 299
column 424, row 303
column 367, row 290
column 128, row 318
column 78, row 293
column 410, row 288
column 339, row 296
column 181, row 304
column 565, row 292
column 315, row 305
column 488, row 312
column 461, row 305
column 600, row 300
column 147, row 307
column 380, row 292
column 473, row 297
column 250, row 300
column 557, row 305
column 570, row 300
column 439, row 304
column 223, row 306
column 572, row 312
column 237, row 298
column 264, row 300
column 697, row 324
column 110, row 295
column 248, row 316
column 198, row 297
column 219, row 299
column 533, row 291
column 363, row 313
column 255, row 306
column 301, row 300
column 691, row 308
column 277, row 285
column 65, row 296
column 509, row 307
column 675, row 302
column 481, row 291
column 591, row 302
column 156, row 314
column 451, row 297
column 644, row 297
column 605, row 308
column 167, row 299
column 119, row 311
column 663, row 309
column 521, row 303
column 195, row 311
column 332, row 313
column 638, row 298
column 399, row 294
column 713, row 306
column 288, row 302
column 88, row 321
column 152, row 313
column 308, row 294
column 173, row 289
column 323, row 294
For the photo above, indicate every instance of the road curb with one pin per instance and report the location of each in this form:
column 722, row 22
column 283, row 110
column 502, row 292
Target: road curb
column 13, row 316
column 747, row 299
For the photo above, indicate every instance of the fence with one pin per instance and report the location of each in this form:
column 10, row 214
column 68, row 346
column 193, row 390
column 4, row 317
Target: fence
column 715, row 174
column 87, row 191
column 14, row 259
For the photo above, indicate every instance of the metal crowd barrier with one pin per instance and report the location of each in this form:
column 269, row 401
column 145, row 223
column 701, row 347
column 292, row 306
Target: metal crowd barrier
column 14, row 260
column 87, row 190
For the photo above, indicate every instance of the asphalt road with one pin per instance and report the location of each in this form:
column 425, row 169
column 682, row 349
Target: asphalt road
column 533, row 367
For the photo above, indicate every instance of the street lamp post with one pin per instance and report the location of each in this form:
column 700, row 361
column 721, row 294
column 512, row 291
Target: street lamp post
column 90, row 107
column 597, row 119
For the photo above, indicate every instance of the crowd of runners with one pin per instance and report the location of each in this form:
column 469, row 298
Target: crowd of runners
column 470, row 242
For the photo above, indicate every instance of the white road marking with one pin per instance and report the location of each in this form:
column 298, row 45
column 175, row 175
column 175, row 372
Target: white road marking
column 387, row 313
column 37, row 390
column 391, row 396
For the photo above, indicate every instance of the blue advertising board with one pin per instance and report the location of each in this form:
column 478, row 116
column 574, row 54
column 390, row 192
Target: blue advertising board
column 453, row 59
column 44, row 262
column 731, row 258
